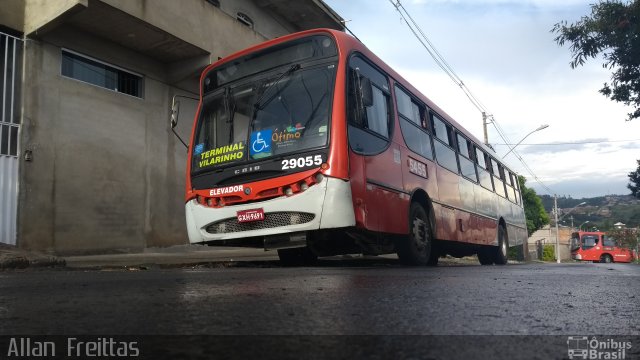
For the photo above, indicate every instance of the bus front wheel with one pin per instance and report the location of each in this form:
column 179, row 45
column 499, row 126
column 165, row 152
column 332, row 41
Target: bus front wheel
column 416, row 248
column 606, row 258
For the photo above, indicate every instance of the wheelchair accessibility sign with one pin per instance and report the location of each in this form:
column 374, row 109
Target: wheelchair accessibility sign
column 260, row 144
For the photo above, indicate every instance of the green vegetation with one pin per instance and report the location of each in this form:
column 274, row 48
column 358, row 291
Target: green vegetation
column 634, row 184
column 611, row 32
column 548, row 253
column 625, row 238
column 534, row 210
column 602, row 212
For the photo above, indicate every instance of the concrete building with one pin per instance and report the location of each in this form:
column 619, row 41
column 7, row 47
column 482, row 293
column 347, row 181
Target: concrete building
column 88, row 162
column 547, row 236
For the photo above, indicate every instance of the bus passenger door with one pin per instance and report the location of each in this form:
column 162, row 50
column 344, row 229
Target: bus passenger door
column 374, row 158
column 384, row 190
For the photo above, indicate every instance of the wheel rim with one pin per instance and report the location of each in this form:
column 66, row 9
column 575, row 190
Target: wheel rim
column 419, row 232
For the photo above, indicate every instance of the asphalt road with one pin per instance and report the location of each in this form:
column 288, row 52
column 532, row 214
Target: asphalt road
column 363, row 308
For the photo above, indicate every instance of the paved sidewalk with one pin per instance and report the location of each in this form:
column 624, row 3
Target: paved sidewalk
column 12, row 257
column 174, row 255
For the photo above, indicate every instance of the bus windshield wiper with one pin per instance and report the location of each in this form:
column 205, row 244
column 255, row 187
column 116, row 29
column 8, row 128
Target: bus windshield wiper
column 258, row 104
column 230, row 109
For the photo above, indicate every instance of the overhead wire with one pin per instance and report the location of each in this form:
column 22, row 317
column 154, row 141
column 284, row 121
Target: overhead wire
column 444, row 65
column 572, row 143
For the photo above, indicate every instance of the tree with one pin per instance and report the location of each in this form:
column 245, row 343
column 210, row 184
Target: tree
column 613, row 30
column 626, row 238
column 537, row 217
column 634, row 185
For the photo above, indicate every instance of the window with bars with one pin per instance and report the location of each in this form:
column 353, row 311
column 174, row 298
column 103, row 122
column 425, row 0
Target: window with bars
column 10, row 55
column 85, row 69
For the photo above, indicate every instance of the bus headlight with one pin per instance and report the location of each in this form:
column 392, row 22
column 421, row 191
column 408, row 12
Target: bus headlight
column 288, row 191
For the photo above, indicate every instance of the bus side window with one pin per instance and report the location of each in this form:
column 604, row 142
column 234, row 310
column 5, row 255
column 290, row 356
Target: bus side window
column 367, row 108
column 608, row 241
column 443, row 131
column 483, row 171
column 498, row 177
column 467, row 165
column 412, row 124
column 480, row 158
column 444, row 144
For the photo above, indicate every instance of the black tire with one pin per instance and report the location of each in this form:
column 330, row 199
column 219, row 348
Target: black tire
column 485, row 256
column 501, row 252
column 498, row 255
column 606, row 258
column 297, row 256
column 435, row 254
column 415, row 249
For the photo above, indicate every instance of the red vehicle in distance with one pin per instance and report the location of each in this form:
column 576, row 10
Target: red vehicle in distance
column 598, row 247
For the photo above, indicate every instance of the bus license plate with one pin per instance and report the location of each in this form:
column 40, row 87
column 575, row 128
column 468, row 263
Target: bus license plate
column 250, row 215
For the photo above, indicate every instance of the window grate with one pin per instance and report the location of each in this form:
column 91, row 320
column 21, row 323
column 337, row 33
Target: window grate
column 10, row 54
column 97, row 73
column 271, row 220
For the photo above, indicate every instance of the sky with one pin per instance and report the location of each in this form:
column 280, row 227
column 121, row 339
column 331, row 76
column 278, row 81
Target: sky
column 505, row 53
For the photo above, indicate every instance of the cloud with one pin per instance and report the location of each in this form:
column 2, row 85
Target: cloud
column 593, row 144
column 505, row 54
column 591, row 186
column 631, row 145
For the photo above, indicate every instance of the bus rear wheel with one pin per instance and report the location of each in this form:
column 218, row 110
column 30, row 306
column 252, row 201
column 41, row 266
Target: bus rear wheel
column 501, row 253
column 496, row 254
column 606, row 258
column 416, row 248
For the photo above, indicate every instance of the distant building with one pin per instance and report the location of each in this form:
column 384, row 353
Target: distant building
column 87, row 160
column 619, row 225
column 547, row 236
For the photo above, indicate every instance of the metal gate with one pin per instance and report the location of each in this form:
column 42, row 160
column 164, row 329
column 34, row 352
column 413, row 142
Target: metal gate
column 10, row 64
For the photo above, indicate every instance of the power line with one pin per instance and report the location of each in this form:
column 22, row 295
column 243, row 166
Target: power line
column 442, row 63
column 572, row 143
column 435, row 54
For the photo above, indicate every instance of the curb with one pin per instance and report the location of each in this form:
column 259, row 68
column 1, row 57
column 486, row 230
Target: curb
column 13, row 258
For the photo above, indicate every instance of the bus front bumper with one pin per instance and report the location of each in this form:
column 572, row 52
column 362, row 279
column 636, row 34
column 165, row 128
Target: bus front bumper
column 323, row 206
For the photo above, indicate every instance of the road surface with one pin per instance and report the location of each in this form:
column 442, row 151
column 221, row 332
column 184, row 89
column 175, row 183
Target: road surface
column 351, row 308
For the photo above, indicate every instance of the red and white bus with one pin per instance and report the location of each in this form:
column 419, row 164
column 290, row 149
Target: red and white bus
column 311, row 145
column 597, row 246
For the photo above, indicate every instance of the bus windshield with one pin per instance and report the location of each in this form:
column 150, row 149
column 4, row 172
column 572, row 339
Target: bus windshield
column 575, row 242
column 266, row 114
column 589, row 241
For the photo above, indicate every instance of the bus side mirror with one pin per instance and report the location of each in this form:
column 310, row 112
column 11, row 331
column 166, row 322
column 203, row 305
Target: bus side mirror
column 175, row 110
column 367, row 92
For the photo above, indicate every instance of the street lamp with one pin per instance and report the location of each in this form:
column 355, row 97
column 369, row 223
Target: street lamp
column 519, row 142
column 580, row 227
column 570, row 210
column 555, row 206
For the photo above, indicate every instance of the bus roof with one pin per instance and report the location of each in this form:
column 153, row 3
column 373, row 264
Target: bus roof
column 347, row 44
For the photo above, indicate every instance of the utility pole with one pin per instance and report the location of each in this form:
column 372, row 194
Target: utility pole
column 484, row 128
column 555, row 206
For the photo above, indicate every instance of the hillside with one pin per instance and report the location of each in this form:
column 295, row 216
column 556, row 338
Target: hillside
column 601, row 212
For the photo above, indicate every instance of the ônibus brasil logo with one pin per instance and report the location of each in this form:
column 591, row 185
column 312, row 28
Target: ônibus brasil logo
column 583, row 347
